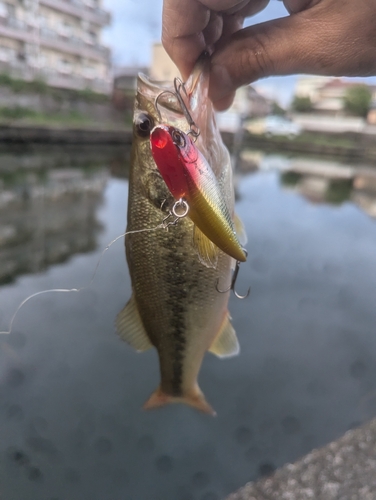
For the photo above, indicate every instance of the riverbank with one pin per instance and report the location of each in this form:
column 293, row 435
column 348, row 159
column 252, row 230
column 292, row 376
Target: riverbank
column 343, row 470
column 64, row 134
column 349, row 147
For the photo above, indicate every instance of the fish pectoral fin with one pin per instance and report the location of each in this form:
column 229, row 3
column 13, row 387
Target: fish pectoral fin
column 206, row 250
column 225, row 344
column 194, row 398
column 240, row 230
column 130, row 328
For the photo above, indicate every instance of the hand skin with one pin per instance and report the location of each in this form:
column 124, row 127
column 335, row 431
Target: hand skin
column 322, row 37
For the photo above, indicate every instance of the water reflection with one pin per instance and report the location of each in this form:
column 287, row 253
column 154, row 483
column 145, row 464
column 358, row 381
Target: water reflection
column 71, row 424
column 332, row 183
column 46, row 216
column 49, row 198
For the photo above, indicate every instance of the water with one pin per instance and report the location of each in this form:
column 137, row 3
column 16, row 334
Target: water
column 71, row 424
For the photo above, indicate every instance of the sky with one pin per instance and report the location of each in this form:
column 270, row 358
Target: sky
column 136, row 25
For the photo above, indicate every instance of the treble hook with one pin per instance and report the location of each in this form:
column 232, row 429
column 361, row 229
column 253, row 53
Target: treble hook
column 194, row 131
column 156, row 101
column 233, row 281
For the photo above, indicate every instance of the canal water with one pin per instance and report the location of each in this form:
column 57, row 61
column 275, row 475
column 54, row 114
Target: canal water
column 71, row 423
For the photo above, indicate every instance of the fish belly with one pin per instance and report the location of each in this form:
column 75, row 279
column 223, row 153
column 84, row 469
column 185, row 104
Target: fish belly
column 175, row 294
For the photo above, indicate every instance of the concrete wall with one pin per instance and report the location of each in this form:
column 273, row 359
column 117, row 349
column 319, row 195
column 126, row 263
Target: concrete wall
column 60, row 101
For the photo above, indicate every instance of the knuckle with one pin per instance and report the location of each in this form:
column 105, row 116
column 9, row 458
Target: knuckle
column 257, row 57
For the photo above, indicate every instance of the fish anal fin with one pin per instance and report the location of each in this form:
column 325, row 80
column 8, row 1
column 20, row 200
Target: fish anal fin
column 225, row 344
column 130, row 328
column 206, row 250
column 240, row 230
column 193, row 398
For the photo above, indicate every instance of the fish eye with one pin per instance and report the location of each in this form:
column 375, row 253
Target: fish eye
column 143, row 124
column 178, row 139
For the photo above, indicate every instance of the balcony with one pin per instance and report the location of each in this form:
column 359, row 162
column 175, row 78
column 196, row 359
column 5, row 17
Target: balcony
column 12, row 27
column 73, row 45
column 78, row 9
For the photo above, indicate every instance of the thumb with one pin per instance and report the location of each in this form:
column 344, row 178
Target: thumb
column 321, row 40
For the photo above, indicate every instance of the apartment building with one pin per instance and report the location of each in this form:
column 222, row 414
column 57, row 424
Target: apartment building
column 58, row 40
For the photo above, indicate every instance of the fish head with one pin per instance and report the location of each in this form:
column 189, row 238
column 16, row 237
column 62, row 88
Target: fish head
column 157, row 104
column 154, row 104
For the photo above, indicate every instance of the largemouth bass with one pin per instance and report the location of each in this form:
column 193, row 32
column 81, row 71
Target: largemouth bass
column 176, row 306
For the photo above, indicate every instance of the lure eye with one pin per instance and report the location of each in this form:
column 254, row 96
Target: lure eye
column 143, row 124
column 178, row 139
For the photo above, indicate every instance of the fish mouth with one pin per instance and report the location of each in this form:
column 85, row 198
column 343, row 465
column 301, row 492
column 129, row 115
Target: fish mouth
column 157, row 91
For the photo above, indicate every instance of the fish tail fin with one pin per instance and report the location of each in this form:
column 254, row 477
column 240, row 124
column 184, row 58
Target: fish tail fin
column 194, row 398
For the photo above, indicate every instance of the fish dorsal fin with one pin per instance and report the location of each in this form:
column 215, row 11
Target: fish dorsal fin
column 130, row 327
column 225, row 344
column 206, row 250
column 240, row 230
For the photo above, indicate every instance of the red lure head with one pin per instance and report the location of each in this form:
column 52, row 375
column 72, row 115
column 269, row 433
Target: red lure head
column 171, row 148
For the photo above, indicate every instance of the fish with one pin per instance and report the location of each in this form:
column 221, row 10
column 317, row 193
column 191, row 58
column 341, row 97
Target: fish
column 176, row 274
column 189, row 176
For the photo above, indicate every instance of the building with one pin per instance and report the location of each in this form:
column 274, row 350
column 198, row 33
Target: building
column 125, row 85
column 162, row 67
column 326, row 93
column 309, row 86
column 56, row 40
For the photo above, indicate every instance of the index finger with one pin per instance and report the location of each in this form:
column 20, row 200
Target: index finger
column 189, row 27
column 182, row 32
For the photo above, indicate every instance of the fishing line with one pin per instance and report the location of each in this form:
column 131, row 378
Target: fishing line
column 69, row 290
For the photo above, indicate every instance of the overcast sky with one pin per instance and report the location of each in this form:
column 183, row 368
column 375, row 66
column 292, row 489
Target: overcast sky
column 136, row 24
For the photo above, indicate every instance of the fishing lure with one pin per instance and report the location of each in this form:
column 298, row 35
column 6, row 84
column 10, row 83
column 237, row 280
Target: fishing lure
column 189, row 177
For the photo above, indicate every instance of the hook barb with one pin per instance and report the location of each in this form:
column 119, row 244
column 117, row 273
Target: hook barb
column 233, row 281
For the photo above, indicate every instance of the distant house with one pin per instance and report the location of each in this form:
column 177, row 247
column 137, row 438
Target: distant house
column 124, row 86
column 258, row 105
column 371, row 117
column 327, row 94
column 162, row 68
column 125, row 77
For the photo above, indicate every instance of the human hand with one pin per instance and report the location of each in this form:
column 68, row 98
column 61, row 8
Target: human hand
column 325, row 37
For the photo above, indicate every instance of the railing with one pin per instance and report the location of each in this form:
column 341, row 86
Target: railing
column 78, row 7
column 73, row 40
column 56, row 78
column 13, row 22
column 75, row 45
column 49, row 34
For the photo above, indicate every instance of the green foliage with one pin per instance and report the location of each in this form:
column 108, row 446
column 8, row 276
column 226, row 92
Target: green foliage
column 357, row 100
column 37, row 85
column 302, row 104
column 5, row 79
column 339, row 191
column 277, row 109
column 16, row 112
column 26, row 115
column 290, row 179
column 40, row 86
column 91, row 96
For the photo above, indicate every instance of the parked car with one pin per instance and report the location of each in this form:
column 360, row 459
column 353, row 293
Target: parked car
column 278, row 125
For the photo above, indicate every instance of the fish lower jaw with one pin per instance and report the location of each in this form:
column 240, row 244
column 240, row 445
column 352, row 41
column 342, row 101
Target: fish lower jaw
column 193, row 398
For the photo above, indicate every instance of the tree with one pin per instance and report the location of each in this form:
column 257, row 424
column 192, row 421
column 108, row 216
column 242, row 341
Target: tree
column 277, row 109
column 301, row 104
column 357, row 100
